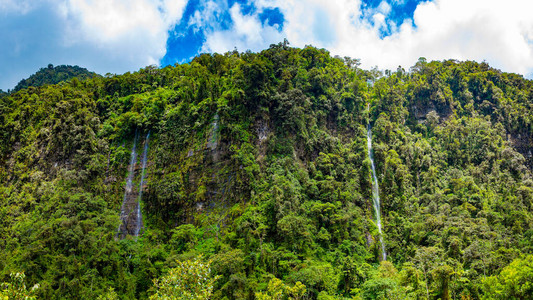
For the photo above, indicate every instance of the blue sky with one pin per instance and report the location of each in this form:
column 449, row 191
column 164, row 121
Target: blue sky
column 186, row 40
column 116, row 36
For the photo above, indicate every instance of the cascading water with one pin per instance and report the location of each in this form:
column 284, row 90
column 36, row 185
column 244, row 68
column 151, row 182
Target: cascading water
column 124, row 212
column 213, row 140
column 139, row 220
column 130, row 213
column 131, row 168
column 375, row 192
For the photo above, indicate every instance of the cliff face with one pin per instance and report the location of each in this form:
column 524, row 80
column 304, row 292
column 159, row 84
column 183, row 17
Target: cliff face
column 523, row 143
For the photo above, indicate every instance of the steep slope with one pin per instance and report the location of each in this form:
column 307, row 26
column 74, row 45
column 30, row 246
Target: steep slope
column 259, row 161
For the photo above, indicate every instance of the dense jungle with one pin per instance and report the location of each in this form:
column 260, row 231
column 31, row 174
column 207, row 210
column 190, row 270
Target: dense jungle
column 256, row 181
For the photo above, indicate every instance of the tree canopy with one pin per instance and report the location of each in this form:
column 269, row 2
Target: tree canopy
column 258, row 162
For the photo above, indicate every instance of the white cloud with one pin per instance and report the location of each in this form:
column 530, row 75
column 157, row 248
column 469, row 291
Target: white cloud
column 384, row 8
column 246, row 32
column 318, row 22
column 241, row 31
column 17, row 6
column 103, row 35
column 207, row 15
column 123, row 35
column 135, row 30
column 481, row 30
column 500, row 32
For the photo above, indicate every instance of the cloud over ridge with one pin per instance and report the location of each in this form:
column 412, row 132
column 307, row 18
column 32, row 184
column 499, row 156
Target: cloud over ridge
column 103, row 35
column 500, row 32
column 124, row 35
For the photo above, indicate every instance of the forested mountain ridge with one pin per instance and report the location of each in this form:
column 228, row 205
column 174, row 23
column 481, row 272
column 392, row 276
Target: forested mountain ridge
column 54, row 75
column 258, row 162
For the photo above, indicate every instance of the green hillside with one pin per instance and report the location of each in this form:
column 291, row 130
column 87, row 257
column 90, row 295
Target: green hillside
column 259, row 163
column 54, row 75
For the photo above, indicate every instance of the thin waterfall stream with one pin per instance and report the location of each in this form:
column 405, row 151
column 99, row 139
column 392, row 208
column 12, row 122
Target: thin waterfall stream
column 138, row 224
column 375, row 192
column 131, row 168
column 130, row 212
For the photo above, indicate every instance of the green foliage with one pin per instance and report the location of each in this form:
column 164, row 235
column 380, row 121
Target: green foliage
column 258, row 162
column 191, row 279
column 515, row 281
column 277, row 290
column 379, row 288
column 54, row 75
column 110, row 294
column 16, row 289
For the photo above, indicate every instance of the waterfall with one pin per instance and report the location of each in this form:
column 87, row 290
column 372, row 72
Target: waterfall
column 213, row 140
column 375, row 192
column 139, row 218
column 130, row 212
column 131, row 168
column 122, row 229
